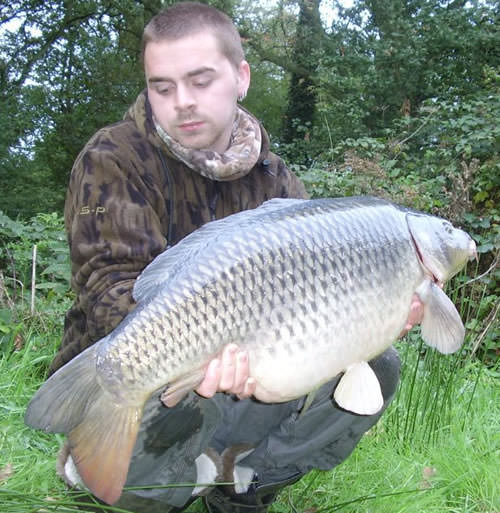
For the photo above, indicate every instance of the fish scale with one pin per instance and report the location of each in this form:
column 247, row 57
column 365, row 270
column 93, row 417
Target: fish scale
column 310, row 289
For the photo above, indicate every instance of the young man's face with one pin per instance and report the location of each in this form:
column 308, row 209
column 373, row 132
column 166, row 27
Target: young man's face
column 193, row 89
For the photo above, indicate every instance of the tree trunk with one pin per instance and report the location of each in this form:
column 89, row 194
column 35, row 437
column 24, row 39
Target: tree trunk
column 302, row 93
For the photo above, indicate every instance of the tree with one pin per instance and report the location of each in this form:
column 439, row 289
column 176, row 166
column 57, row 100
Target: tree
column 302, row 92
column 68, row 69
column 422, row 49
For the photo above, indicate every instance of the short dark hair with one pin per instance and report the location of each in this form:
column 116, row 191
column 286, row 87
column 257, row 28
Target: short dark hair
column 187, row 18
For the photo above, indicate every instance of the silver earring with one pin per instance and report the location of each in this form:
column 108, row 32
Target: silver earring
column 242, row 96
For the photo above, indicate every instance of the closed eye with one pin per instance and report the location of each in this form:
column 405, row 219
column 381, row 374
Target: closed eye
column 162, row 87
column 164, row 90
column 202, row 77
column 202, row 83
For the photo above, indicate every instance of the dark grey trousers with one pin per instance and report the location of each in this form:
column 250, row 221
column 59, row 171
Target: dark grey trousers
column 286, row 443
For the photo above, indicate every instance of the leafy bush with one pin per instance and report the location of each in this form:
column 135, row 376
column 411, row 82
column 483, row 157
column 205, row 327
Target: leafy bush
column 18, row 316
column 18, row 239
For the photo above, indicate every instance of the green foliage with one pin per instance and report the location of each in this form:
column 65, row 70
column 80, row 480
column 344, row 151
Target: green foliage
column 413, row 51
column 268, row 81
column 445, row 161
column 27, row 477
column 18, row 239
column 28, row 188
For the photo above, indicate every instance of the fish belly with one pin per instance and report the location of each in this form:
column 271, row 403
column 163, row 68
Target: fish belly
column 304, row 345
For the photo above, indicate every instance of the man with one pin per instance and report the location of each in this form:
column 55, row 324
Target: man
column 185, row 154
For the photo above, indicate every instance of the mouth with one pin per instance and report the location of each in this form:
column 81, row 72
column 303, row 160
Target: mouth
column 190, row 126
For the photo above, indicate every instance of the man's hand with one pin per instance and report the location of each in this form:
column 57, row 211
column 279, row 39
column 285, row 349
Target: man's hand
column 415, row 316
column 229, row 373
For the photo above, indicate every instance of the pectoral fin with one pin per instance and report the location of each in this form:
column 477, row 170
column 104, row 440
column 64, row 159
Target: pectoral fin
column 359, row 390
column 180, row 388
column 441, row 326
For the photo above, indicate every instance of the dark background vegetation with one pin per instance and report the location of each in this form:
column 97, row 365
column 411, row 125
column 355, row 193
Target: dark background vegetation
column 397, row 98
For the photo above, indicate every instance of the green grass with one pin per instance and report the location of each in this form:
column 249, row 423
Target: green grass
column 436, row 450
column 458, row 473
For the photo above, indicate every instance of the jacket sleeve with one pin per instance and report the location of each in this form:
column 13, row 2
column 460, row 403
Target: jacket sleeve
column 115, row 218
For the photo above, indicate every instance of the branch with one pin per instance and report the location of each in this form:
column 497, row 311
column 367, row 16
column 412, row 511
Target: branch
column 273, row 57
column 492, row 267
column 413, row 134
column 45, row 42
column 492, row 317
column 33, row 280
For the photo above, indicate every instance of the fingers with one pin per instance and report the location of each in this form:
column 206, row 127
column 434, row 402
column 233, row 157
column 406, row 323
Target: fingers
column 229, row 373
column 230, row 363
column 416, row 311
column 248, row 389
column 208, row 387
column 415, row 316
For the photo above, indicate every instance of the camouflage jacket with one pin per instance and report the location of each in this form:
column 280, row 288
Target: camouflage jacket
column 128, row 199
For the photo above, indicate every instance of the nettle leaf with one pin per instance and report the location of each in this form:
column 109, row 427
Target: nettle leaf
column 485, row 248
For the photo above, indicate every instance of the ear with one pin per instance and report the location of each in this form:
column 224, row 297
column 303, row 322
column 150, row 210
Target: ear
column 243, row 78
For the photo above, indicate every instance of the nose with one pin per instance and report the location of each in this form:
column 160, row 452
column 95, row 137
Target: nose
column 184, row 98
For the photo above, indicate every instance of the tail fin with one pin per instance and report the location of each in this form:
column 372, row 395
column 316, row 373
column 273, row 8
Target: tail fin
column 101, row 433
column 101, row 447
column 63, row 400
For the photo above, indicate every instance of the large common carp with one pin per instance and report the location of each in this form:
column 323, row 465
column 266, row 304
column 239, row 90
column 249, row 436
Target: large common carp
column 311, row 288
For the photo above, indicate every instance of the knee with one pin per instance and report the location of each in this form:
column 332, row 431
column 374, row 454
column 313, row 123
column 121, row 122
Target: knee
column 387, row 367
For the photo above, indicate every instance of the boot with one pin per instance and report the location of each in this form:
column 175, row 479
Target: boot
column 257, row 499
